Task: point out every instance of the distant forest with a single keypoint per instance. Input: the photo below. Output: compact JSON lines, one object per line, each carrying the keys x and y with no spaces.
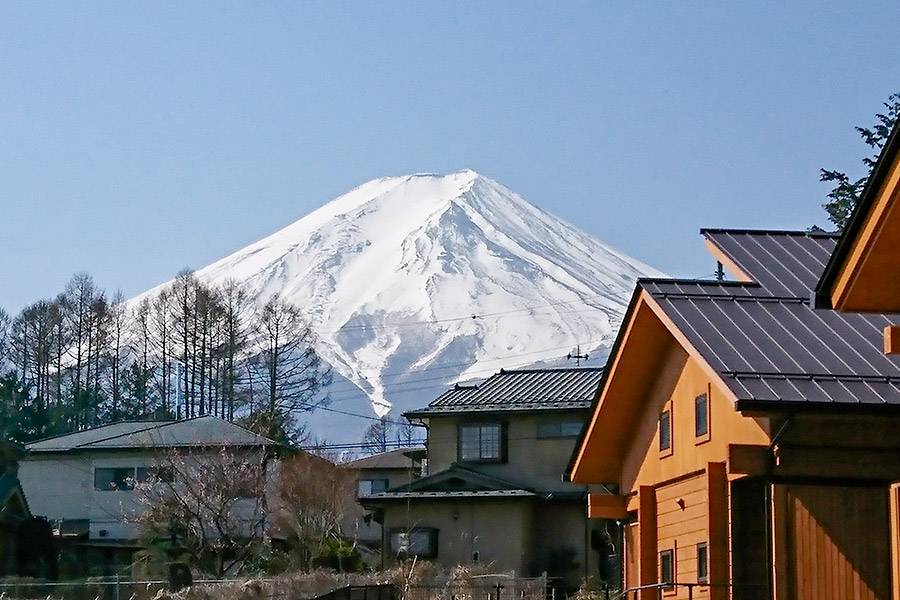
{"x":84,"y":359}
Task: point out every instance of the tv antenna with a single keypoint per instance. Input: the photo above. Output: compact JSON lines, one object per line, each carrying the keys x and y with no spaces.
{"x":578,"y":356}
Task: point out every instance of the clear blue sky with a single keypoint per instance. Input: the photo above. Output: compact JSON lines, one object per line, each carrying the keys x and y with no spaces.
{"x":137,"y":139}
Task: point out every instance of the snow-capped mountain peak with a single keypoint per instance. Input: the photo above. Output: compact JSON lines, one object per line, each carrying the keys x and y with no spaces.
{"x":453,"y":275}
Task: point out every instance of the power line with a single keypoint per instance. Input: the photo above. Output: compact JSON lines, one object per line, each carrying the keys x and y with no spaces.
{"x":497,"y":314}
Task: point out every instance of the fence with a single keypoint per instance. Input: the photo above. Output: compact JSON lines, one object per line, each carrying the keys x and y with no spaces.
{"x":477,"y":587}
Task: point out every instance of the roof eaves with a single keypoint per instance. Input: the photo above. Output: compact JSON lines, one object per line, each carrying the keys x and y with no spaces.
{"x":794,"y":407}
{"x":775,"y":232}
{"x":613,"y":352}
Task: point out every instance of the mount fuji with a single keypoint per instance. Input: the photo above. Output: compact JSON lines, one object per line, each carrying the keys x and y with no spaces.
{"x":412,"y":283}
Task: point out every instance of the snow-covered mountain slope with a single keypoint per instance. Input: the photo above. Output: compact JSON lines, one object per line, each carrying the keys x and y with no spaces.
{"x":430,"y":278}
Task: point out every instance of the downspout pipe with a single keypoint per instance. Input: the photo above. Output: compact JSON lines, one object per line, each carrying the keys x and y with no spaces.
{"x":770,"y":498}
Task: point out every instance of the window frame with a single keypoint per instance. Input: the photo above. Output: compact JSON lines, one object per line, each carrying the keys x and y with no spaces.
{"x":124,"y":484}
{"x":700,"y":438}
{"x":481,"y":426}
{"x":432,"y":532}
{"x":159,"y":474}
{"x":669,"y":449}
{"x":559,"y":429}
{"x":371,"y":480}
{"x":667,"y":586}
{"x":705,"y":553}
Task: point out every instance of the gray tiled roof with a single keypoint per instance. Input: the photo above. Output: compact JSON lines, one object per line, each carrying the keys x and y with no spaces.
{"x":518,"y":390}
{"x":199,"y":432}
{"x":768,"y":345}
{"x":451,"y":483}
{"x":392,"y":459}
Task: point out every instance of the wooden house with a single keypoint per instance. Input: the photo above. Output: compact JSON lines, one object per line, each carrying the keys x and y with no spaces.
{"x":752,"y":436}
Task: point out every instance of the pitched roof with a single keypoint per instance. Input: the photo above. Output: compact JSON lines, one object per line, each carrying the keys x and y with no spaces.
{"x":197,"y":432}
{"x":455,"y":482}
{"x":392,"y":459}
{"x":520,"y":390}
{"x":767,"y":344}
{"x":783,"y":263}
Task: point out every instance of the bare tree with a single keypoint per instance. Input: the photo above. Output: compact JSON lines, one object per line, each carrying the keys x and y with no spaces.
{"x":286,"y":366}
{"x":212,"y":504}
{"x":313,"y":497}
{"x":377,"y":436}
{"x":233,"y":340}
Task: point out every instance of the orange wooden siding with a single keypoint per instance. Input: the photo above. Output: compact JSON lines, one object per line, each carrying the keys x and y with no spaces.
{"x":835,"y":544}
{"x":681,"y":529}
{"x":861,"y":284}
{"x":678,"y":384}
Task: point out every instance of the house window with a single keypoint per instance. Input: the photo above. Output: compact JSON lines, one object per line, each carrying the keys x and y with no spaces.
{"x":667,"y":568}
{"x":419,"y":541}
{"x":370,"y":487}
{"x":115,"y":479}
{"x":701,"y":415}
{"x":154,"y":474}
{"x":564,"y":429}
{"x":481,"y":442}
{"x":665,"y":430}
{"x":702,"y":564}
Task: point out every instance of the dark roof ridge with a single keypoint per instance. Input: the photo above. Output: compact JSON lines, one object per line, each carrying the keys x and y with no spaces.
{"x":548,"y":370}
{"x":688,"y":280}
{"x":785,"y":232}
{"x":135,"y":421}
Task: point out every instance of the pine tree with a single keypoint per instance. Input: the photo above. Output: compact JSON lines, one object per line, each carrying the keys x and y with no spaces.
{"x":845,"y":194}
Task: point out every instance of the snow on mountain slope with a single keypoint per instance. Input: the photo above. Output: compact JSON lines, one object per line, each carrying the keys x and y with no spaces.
{"x":455,"y":275}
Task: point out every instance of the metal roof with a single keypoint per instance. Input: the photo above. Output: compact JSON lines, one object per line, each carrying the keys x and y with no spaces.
{"x":520,"y":390}
{"x":768,"y":345}
{"x":198,"y":432}
{"x":784,"y":263}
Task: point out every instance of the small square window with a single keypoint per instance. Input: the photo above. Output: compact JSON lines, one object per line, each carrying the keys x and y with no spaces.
{"x":701,"y":415}
{"x":665,"y":430}
{"x":114,"y":480}
{"x":702,"y":563}
{"x":562,"y":429}
{"x":667,"y":568}
{"x":370,"y":487}
{"x":481,"y":442}
{"x":419,"y":541}
{"x":155,"y":474}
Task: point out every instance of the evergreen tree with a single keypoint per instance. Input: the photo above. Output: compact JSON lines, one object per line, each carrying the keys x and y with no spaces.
{"x":846,"y":191}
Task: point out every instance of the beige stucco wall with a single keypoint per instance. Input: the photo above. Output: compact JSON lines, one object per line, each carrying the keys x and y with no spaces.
{"x":499,"y":530}
{"x":354,"y":525}
{"x":532,"y":462}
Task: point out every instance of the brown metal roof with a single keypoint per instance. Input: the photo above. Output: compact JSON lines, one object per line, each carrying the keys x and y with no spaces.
{"x":517,"y":390}
{"x":768,"y":345}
